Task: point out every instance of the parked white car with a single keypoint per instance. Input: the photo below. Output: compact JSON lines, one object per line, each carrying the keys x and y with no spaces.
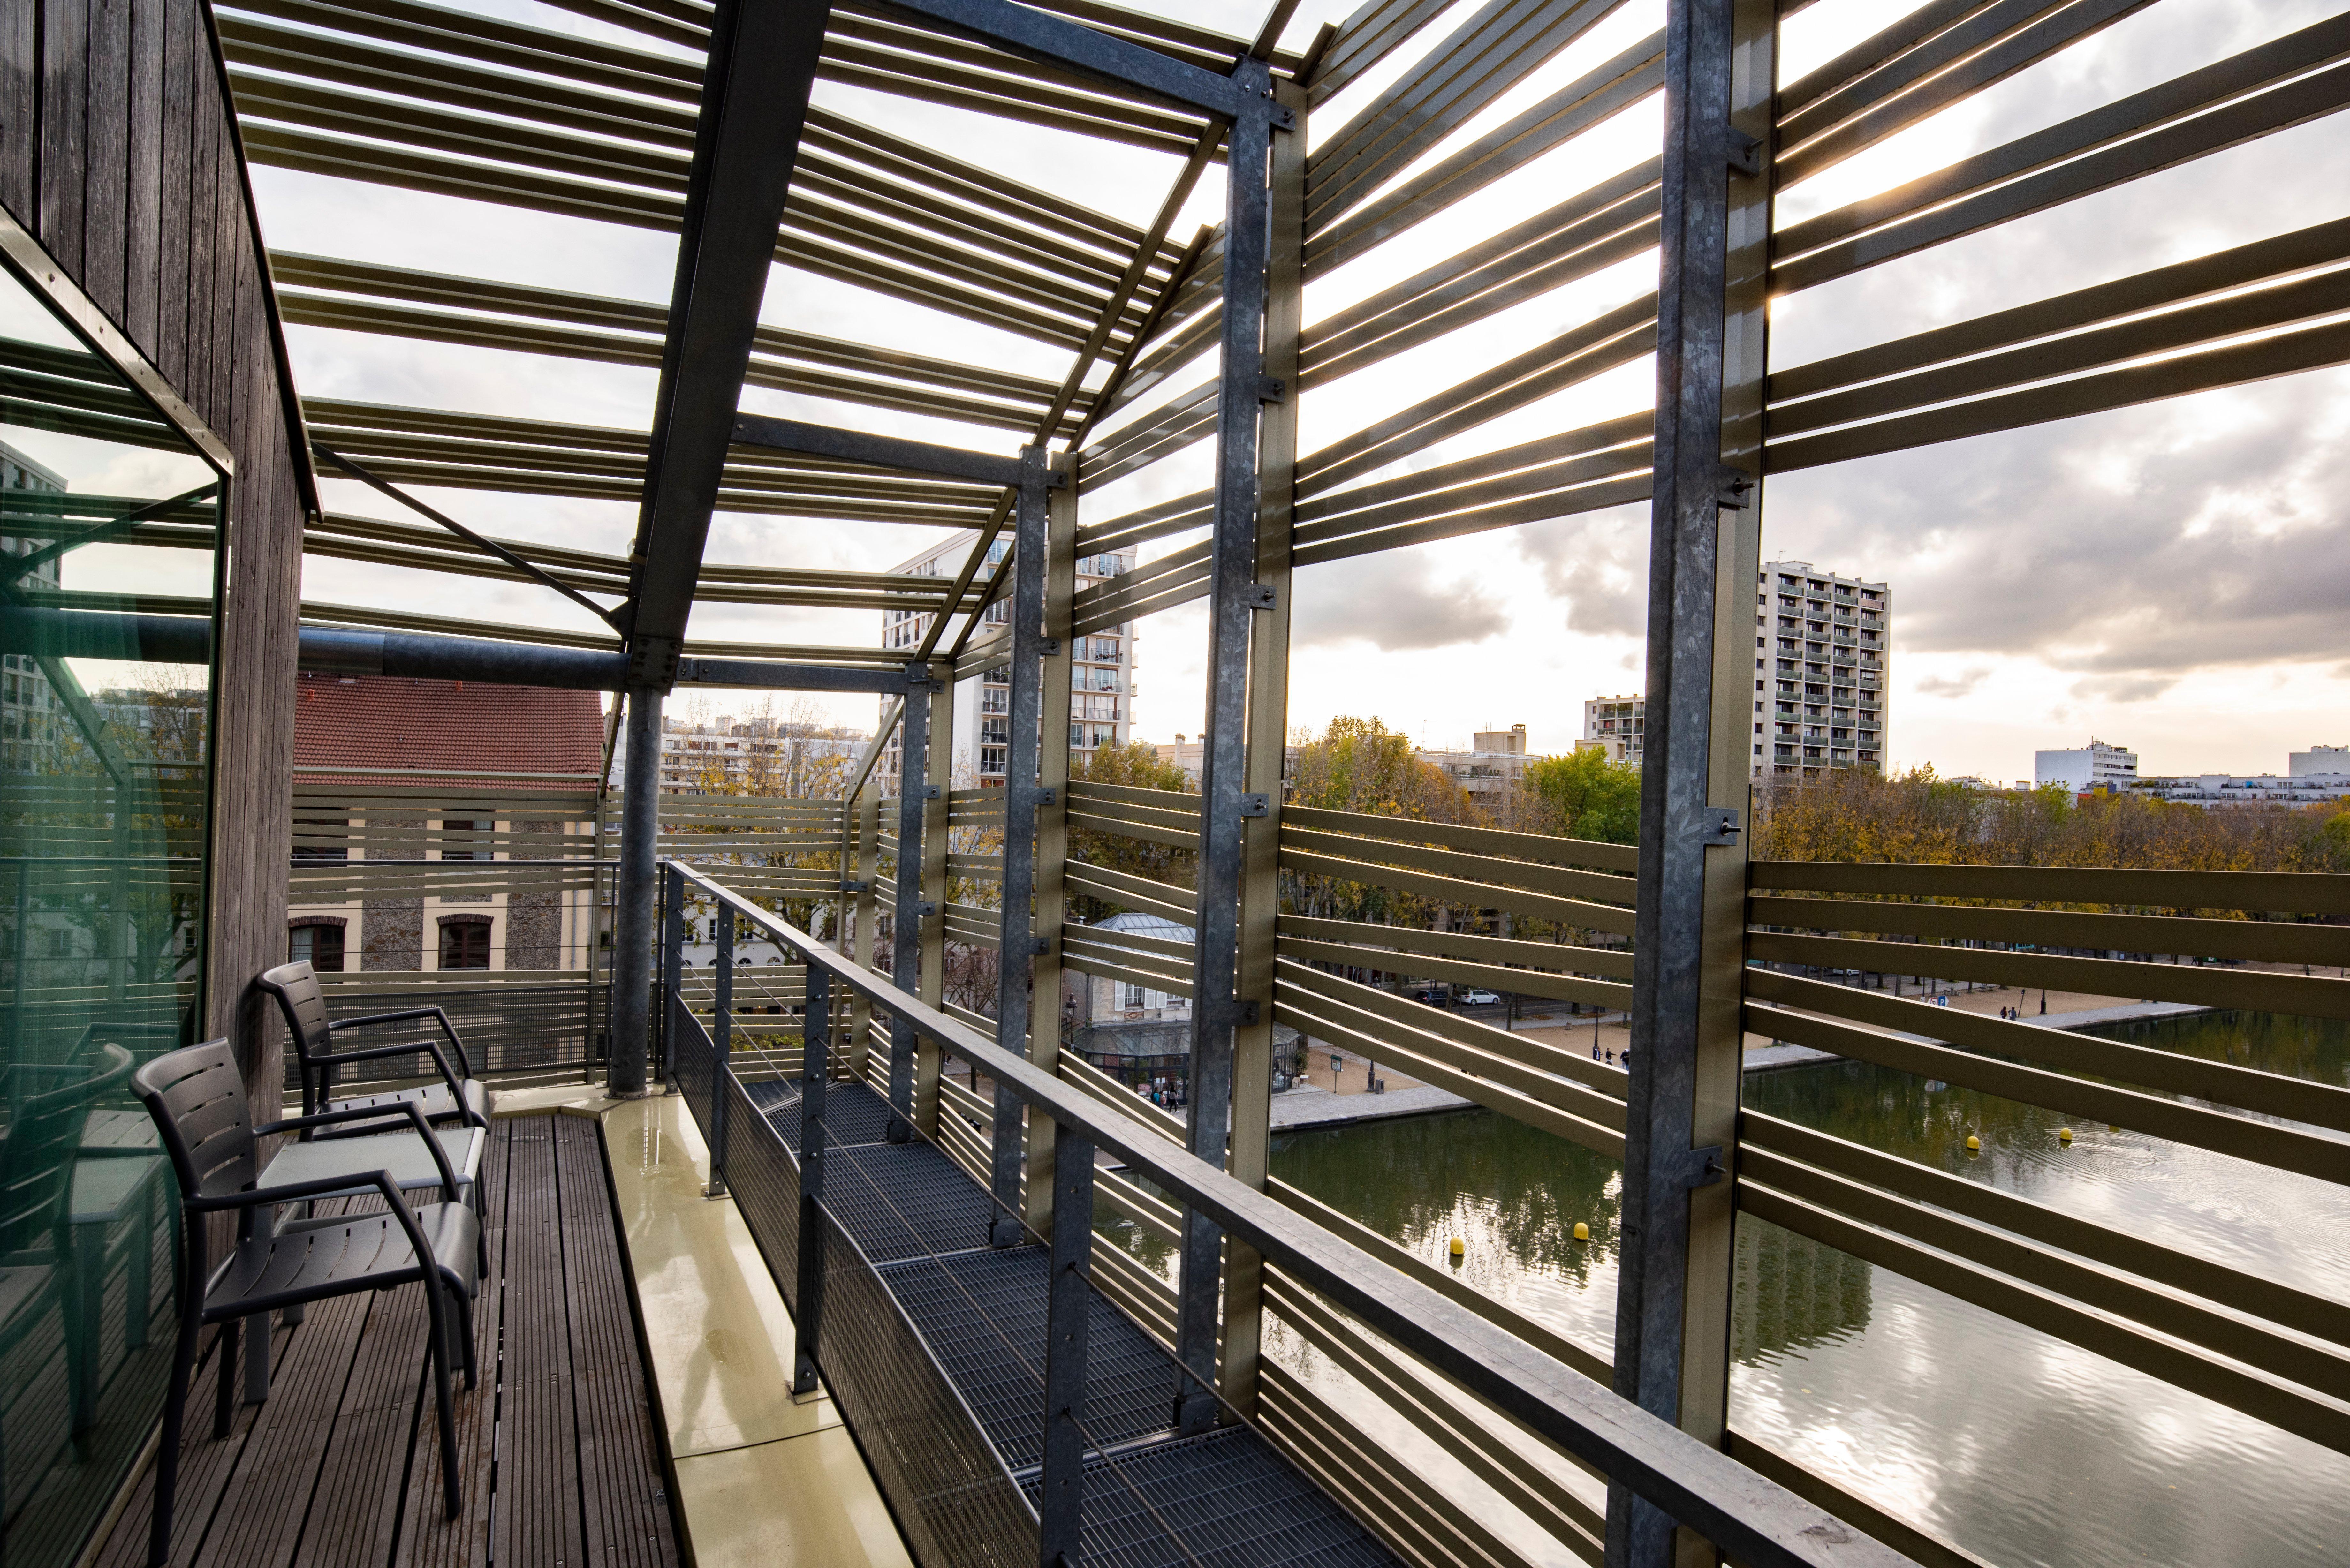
{"x":1479,"y":998}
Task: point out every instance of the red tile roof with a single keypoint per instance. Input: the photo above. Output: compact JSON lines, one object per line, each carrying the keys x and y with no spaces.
{"x":442,"y":729}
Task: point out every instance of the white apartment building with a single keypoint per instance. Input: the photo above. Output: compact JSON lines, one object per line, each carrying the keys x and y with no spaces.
{"x":1490,"y":771}
{"x":1101,"y":674}
{"x":2250,"y":789}
{"x":2325,"y":760}
{"x":1615,"y":725}
{"x":2085,"y":768}
{"x":741,"y":757}
{"x":1822,"y":676}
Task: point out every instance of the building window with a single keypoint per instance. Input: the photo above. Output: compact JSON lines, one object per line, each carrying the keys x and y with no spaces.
{"x":464,"y":941}
{"x":462,"y":840}
{"x":318,"y":944}
{"x":991,"y":759}
{"x":308,"y":833}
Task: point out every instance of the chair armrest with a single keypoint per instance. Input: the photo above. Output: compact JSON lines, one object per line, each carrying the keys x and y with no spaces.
{"x":297,"y":1193}
{"x":449,"y":1075}
{"x":407,"y":1016}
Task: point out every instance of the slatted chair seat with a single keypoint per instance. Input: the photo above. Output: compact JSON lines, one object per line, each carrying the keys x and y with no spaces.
{"x":307,"y":1257}
{"x":458,"y":1097}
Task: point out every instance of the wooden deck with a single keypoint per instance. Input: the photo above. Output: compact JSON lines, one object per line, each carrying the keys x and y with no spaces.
{"x":340,"y":1468}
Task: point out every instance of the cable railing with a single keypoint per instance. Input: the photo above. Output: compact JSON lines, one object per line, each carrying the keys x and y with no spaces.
{"x":1748,"y":1515}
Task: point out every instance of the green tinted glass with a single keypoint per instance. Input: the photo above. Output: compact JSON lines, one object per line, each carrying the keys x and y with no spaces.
{"x":109,"y":551}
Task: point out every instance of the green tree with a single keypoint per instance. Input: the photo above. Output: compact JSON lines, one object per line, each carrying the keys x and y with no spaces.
{"x":1583,"y":794}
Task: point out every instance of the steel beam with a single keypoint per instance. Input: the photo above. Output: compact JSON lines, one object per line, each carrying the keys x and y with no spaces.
{"x":754,"y":98}
{"x":758,"y":674}
{"x":1234,"y":597}
{"x":906,"y":920}
{"x":1672,"y":1297}
{"x":633,"y":903}
{"x":1036,"y":35}
{"x":1015,"y":950}
{"x":879,"y":452}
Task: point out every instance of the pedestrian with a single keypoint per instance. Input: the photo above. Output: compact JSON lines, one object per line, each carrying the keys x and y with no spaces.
{"x":1594,"y":1050}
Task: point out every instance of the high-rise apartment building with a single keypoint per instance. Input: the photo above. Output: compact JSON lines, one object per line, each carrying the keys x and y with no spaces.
{"x":1821,"y":670}
{"x":1821,"y":678}
{"x":1615,"y":725}
{"x":1101,"y":674}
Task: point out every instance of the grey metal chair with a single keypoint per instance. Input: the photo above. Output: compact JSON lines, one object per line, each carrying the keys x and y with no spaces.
{"x":37,"y":1254}
{"x":197,"y":1099}
{"x":459,"y":1097}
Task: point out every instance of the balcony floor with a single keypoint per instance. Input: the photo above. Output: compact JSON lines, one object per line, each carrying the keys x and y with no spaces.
{"x":341,"y":1465}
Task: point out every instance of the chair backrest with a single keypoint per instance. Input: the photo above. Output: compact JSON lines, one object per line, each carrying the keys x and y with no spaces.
{"x":43,"y":1135}
{"x":304,"y":1004}
{"x":197,"y":1098}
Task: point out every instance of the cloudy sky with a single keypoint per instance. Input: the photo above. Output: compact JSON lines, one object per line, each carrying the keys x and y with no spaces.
{"x":2172,"y":578}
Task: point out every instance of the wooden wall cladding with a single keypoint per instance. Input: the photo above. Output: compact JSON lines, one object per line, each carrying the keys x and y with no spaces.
{"x":118,"y":152}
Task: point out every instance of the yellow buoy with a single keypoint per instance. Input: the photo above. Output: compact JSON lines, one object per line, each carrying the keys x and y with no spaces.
{"x":1582,"y":1232}
{"x":2065,"y":1134}
{"x":1974,"y":1143}
{"x":1459,"y":1246}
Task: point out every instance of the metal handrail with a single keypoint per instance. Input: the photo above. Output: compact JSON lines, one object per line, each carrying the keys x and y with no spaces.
{"x":1741,"y":1512}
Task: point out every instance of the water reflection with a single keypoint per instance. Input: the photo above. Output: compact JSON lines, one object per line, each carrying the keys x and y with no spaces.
{"x":2016,"y":1446}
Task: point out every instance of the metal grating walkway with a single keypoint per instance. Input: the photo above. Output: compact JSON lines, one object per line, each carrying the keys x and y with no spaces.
{"x":1223,"y":1500}
{"x":969,"y":1306}
{"x":1227,"y":1500}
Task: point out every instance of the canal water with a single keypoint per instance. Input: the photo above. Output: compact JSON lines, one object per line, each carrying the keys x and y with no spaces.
{"x":2015,"y":1445}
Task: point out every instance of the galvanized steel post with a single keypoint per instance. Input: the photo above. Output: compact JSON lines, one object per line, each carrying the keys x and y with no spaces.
{"x":1234,"y":597}
{"x":1016,"y":937}
{"x":906,"y":920}
{"x":722,"y":1042}
{"x":1060,"y":1499}
{"x":815,"y":1068}
{"x":632,"y":904}
{"x":1051,"y":823}
{"x":1673,"y":1292}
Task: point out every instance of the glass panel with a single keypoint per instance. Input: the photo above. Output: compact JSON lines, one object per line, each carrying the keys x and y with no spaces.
{"x":109,"y":559}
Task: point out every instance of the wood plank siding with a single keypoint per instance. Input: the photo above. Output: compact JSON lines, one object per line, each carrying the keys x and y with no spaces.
{"x":119,"y":153}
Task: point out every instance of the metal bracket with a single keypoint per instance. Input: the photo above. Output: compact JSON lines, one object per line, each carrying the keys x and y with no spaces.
{"x":926,"y":908}
{"x":1049,"y":647}
{"x":1281,"y":116}
{"x":1733,"y":488}
{"x":1699,"y":1166}
{"x":1271,"y":389}
{"x":918,"y":677}
{"x":930,"y":792}
{"x":1045,"y":795}
{"x":1044,"y":946}
{"x":1248,"y":1014}
{"x":652,"y":662}
{"x":856,"y":886}
{"x":1260,"y":597}
{"x":1718,"y":824}
{"x":1746,"y":152}
{"x":1256,"y":805}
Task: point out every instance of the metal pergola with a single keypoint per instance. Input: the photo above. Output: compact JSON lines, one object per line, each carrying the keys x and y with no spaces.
{"x":707,"y":128}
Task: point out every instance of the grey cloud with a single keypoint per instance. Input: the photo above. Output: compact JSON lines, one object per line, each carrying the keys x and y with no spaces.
{"x":2127,"y":544}
{"x":1958,"y":685}
{"x":1393,"y":603}
{"x":2124,"y":687}
{"x":1596,"y":566}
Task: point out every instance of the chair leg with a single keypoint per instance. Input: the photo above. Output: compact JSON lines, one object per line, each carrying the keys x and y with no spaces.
{"x":456,"y":1294}
{"x":167,"y":1452}
{"x":224,"y":1407}
{"x":452,"y":1486}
